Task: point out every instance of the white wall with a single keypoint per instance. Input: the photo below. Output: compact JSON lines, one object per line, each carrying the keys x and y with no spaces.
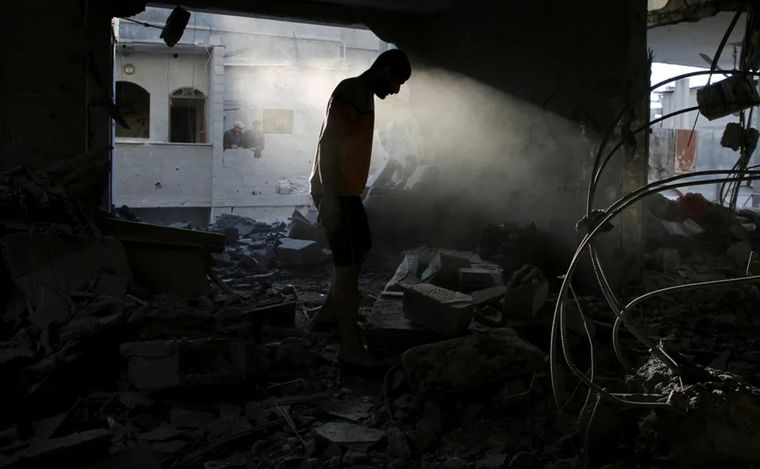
{"x":162,"y":174}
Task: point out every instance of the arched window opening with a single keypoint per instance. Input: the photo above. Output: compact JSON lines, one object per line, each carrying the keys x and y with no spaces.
{"x":134,"y":103}
{"x":187,"y":116}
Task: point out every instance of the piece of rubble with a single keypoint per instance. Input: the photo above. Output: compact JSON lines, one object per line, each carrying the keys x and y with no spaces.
{"x":469,"y":363}
{"x":526,"y":293}
{"x":443,"y":311}
{"x":162,"y":364}
{"x":722,"y":414}
{"x":137,"y":457}
{"x":428,"y":430}
{"x":299,"y":252}
{"x":353,"y":411}
{"x":398,"y":446}
{"x":74,"y":449}
{"x":488,"y":296}
{"x":477,"y":278}
{"x":406,"y":274}
{"x":388,"y":330}
{"x":443,"y":270}
{"x":347,"y":433}
{"x":163,"y":432}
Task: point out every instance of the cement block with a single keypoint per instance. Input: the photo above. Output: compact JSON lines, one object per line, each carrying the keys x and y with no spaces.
{"x":161,"y":364}
{"x":299,"y":252}
{"x":471,"y":279}
{"x":388,"y":330}
{"x":440,"y":310}
{"x":469,"y":363}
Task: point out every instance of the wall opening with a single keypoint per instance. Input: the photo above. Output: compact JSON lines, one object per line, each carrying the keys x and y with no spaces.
{"x":134,"y":103}
{"x":187,"y":116}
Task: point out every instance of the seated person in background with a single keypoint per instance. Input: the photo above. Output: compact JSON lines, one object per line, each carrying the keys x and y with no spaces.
{"x":254,"y":139}
{"x":233,"y":138}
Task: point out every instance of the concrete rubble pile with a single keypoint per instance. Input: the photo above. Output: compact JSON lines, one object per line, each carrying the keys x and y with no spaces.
{"x":110,"y":366}
{"x":689,"y":236}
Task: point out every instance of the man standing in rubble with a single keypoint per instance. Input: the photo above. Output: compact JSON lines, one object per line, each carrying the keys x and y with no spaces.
{"x":341,"y":167}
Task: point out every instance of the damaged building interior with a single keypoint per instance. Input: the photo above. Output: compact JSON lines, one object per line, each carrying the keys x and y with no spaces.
{"x":561,"y":273}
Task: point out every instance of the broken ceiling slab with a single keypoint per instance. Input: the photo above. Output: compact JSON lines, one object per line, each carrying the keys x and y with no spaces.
{"x":677,"y":11}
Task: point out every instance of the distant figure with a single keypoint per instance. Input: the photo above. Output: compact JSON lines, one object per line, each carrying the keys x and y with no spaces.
{"x":233,"y":138}
{"x":254,"y":139}
{"x":341,"y":167}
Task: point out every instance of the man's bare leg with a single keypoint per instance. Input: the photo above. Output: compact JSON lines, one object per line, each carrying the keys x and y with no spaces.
{"x":346,"y":294}
{"x":328,"y":312}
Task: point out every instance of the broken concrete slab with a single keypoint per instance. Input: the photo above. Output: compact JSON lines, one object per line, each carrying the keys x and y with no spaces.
{"x":443,"y":270}
{"x":443,"y":311}
{"x":342,"y":433}
{"x":74,"y":449}
{"x":388,"y":330}
{"x":406,"y":274}
{"x":469,"y":363}
{"x":299,"y":252}
{"x":162,"y":364}
{"x":300,"y":228}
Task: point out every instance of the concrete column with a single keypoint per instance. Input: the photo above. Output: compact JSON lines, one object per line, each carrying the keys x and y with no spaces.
{"x":215,"y":118}
{"x":635,"y":156}
{"x":682,"y":100}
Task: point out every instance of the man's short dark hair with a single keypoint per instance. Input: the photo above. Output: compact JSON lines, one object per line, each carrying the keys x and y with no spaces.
{"x":396,"y":60}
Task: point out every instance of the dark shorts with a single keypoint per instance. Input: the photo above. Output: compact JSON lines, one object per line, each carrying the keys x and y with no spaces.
{"x":350,"y":240}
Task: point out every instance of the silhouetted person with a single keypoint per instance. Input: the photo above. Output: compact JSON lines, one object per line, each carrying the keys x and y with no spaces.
{"x":341,"y":167}
{"x":233,"y":138}
{"x":254,"y":139}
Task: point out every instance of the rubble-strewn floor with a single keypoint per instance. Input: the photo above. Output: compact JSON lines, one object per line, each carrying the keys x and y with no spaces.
{"x":117,"y":351}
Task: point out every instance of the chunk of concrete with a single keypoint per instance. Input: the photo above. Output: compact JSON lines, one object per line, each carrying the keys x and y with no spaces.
{"x":299,"y":252}
{"x":347,"y":433}
{"x":160,"y":364}
{"x":405,"y":275}
{"x":443,"y":270}
{"x":469,"y":363}
{"x":389,"y":331}
{"x":473,"y":278}
{"x":443,"y":311}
